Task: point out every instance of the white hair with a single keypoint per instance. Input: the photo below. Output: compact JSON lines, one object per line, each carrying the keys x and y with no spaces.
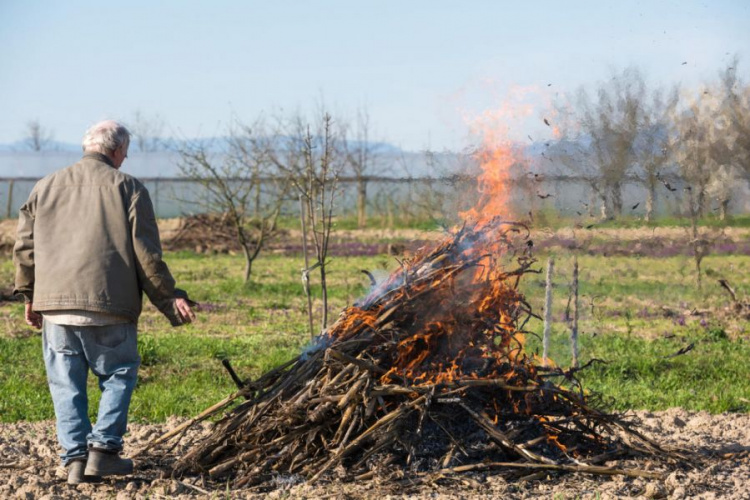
{"x":106,"y":137}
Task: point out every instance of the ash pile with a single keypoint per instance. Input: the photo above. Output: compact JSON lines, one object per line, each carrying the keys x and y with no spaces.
{"x":426,"y":377}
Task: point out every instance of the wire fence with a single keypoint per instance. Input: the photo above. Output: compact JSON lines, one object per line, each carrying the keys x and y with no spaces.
{"x":410,"y":197}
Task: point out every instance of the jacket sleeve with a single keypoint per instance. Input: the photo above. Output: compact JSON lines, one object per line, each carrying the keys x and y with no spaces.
{"x":153,"y":273}
{"x":23,"y":250}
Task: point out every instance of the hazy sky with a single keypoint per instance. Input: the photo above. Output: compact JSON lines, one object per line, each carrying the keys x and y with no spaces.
{"x":418,"y":66}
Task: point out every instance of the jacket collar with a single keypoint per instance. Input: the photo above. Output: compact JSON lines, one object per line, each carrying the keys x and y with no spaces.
{"x":99,"y":157}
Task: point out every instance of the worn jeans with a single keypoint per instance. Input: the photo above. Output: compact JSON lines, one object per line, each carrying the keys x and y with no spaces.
{"x":112,"y":354}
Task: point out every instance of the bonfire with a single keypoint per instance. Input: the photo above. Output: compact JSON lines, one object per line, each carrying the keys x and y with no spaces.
{"x":426,"y":376}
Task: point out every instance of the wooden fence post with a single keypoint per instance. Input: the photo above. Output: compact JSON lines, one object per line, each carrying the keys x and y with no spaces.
{"x":361,"y":202}
{"x":574,"y":329}
{"x":9,"y":205}
{"x":389,"y":213}
{"x":547,"y":310}
{"x":156,"y":197}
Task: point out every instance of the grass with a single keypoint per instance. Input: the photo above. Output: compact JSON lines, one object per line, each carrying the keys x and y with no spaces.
{"x":638,"y":373}
{"x":350,"y":222}
{"x":742,"y":221}
{"x":553,"y":219}
{"x":260,"y":325}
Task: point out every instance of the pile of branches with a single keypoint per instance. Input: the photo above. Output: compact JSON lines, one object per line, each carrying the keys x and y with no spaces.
{"x":205,"y":233}
{"x":427,"y":376}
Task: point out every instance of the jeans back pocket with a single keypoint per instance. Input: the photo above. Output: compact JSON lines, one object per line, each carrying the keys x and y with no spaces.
{"x":61,"y":338}
{"x":109,"y":337}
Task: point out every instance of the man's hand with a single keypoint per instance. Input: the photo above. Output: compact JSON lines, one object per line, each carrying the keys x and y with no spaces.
{"x":33,"y":318}
{"x":186,"y":312}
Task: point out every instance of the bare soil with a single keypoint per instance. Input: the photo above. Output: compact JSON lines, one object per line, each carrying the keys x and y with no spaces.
{"x":29,"y":469}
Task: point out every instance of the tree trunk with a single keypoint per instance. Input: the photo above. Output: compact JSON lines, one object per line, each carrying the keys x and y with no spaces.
{"x":248,"y":263}
{"x":696,"y":243}
{"x":606,"y":212}
{"x":650,"y":201}
{"x":324,"y":295}
{"x":592,"y":203}
{"x":701,"y":202}
{"x":697,"y":255}
{"x":245,"y":244}
{"x":724,"y":209}
{"x":574,"y":329}
{"x":547,"y":310}
{"x":306,"y":270}
{"x":616,"y":195}
{"x":258,"y":195}
{"x":361,"y":203}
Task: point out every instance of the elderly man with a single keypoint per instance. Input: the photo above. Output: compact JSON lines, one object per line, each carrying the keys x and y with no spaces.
{"x":87,"y":247}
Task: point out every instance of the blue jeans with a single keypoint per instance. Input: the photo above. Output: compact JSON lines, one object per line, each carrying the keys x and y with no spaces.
{"x":112,"y":354}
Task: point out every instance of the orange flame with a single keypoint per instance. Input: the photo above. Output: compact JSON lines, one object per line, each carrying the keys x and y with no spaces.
{"x":452,"y":312}
{"x":496,"y":157}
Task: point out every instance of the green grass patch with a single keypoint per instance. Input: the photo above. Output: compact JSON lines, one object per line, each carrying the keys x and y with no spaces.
{"x":350,"y":222}
{"x":551,"y":218}
{"x":637,"y":373}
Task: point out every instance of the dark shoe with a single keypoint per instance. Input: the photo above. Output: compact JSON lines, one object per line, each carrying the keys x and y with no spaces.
{"x":75,"y":471}
{"x":77,"y":474}
{"x":107,"y":463}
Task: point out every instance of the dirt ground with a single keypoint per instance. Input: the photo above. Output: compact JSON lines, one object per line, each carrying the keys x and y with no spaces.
{"x":29,"y":469}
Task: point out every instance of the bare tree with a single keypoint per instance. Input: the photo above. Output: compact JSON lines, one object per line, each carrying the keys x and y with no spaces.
{"x":611,"y":122}
{"x":699,"y":242}
{"x":691,"y":154}
{"x":319,"y":192}
{"x":361,"y":157}
{"x":147,"y":132}
{"x":721,"y":187}
{"x":38,"y":138}
{"x":310,"y":155}
{"x":735,"y":109}
{"x":321,"y":178}
{"x":242,"y":183}
{"x":576,"y":156}
{"x":702,"y":153}
{"x":599,"y":133}
{"x":700,"y":148}
{"x":652,"y":144}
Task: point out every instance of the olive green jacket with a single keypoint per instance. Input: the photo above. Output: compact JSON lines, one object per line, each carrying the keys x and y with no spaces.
{"x":87,"y":240}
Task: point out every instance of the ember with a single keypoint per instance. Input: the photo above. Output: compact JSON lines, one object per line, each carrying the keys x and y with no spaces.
{"x":426,"y":375}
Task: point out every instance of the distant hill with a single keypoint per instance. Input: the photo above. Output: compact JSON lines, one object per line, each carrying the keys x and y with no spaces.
{"x":17,"y":160}
{"x":20,"y":146}
{"x":165,"y":163}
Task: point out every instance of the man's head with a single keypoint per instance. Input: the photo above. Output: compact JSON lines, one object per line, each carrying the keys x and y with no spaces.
{"x":109,"y":138}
